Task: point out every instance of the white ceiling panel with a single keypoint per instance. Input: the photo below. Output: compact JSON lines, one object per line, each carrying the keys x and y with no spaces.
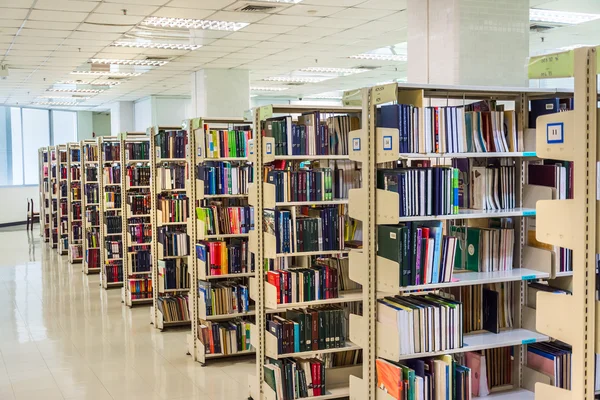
{"x":44,"y":33}
{"x":259,"y":50}
{"x":312,"y":32}
{"x":234,"y":43}
{"x":291,"y":39}
{"x":14,"y":13}
{"x":288,"y":20}
{"x":333,"y":22}
{"x":49,"y":25}
{"x":140,"y":2}
{"x":205,"y":4}
{"x":336,"y":3}
{"x":263,"y":28}
{"x":334,"y":41}
{"x":244,"y":35}
{"x":10,"y":23}
{"x":175,"y":12}
{"x":97,"y":18}
{"x":384,"y":4}
{"x":101,"y":28}
{"x":106,"y":37}
{"x":361,"y":13}
{"x":17,"y":3}
{"x":66,"y":5}
{"x":399,"y":19}
{"x":8,"y":31}
{"x":60,"y":16}
{"x":310,"y":10}
{"x":275,"y":45}
{"x":117,"y":8}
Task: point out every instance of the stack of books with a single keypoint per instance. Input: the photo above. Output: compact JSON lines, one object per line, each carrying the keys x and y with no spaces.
{"x":139,"y":175}
{"x":112,"y":199}
{"x":220,"y":220}
{"x":174,"y":308}
{"x":91,"y":193}
{"x":224,"y":297}
{"x":174,"y":274}
{"x":114,"y":249}
{"x":303,"y":185}
{"x":296,"y":378}
{"x":552,"y":359}
{"x":113,"y":224}
{"x":137,"y":150}
{"x":225,"y":338}
{"x":222,"y":258}
{"x":223,"y":178}
{"x":114,"y":272}
{"x":141,"y":260}
{"x":486,"y":307}
{"x":304,"y":284}
{"x":227,"y":143}
{"x":141,"y":204}
{"x":141,"y":232}
{"x":170,"y":177}
{"x":174,"y":208}
{"x":112,"y":175}
{"x":112,"y":151}
{"x":490,"y":249}
{"x":140,"y":288}
{"x":170,"y":144}
{"x":175,"y":243}
{"x":486,"y":185}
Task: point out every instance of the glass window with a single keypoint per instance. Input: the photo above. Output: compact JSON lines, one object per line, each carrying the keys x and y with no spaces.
{"x":36,"y":134}
{"x":16,"y":146}
{"x":64,"y":126}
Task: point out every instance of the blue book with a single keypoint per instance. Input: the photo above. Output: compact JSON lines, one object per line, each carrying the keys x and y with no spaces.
{"x":542,"y":107}
{"x":296,"y":337}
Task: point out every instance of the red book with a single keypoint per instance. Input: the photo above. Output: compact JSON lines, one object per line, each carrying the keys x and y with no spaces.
{"x":425,"y":261}
{"x":316,"y":377}
{"x":273,"y":279}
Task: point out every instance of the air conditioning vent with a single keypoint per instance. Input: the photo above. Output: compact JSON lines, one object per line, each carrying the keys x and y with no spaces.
{"x":294,"y":84}
{"x":155,"y":58}
{"x":250,"y":6}
{"x":369,"y":67}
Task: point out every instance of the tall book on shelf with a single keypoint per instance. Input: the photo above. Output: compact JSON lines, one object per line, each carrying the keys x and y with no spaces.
{"x":90,"y":206}
{"x":302,"y":179}
{"x":219,"y":225}
{"x":137,"y":213}
{"x":170,"y":240}
{"x":74,"y":203}
{"x":62,"y":199}
{"x":111,"y":226}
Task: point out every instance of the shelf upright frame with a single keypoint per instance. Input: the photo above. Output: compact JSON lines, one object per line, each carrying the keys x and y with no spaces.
{"x":53,"y":188}
{"x":573,"y":136}
{"x":103,"y":210}
{"x":85,"y":145}
{"x":71,"y":201}
{"x":62,"y":148}
{"x":130,"y":137}
{"x":44,"y":163}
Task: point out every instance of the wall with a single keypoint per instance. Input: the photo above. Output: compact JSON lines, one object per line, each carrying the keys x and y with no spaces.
{"x":142,"y":114}
{"x":170,"y":111}
{"x":101,"y":123}
{"x":13,"y":202}
{"x":85,"y":125}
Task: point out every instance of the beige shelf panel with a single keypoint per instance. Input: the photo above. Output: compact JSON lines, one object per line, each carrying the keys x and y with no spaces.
{"x":388,"y":338}
{"x":554,"y":316}
{"x":572,"y":149}
{"x":357,"y":267}
{"x":531,"y":377}
{"x":357,"y":150}
{"x":252,"y":195}
{"x":388,"y":144}
{"x":556,"y":221}
{"x":268,"y":149}
{"x":360,"y":391}
{"x":545,"y":392}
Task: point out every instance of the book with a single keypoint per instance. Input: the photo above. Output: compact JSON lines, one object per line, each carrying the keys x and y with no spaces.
{"x":137,"y":150}
{"x":170,"y":144}
{"x":219,"y":219}
{"x":227,"y":143}
{"x":173,"y":274}
{"x":222,"y":298}
{"x":225,"y":257}
{"x":224,"y":178}
{"x":174,"y":308}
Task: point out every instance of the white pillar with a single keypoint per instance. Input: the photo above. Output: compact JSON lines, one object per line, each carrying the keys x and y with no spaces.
{"x":468,"y":42}
{"x":220,"y":92}
{"x":121,"y":117}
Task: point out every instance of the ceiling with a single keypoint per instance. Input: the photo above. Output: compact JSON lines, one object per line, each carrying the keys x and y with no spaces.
{"x":42,"y":41}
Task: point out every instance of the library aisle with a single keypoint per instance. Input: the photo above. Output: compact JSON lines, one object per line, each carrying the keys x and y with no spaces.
{"x":62,"y":338}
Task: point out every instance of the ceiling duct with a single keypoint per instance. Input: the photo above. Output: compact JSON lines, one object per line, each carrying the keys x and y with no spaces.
{"x":249,"y":6}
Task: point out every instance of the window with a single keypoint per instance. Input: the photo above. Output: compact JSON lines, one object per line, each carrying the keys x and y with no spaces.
{"x":22,"y":132}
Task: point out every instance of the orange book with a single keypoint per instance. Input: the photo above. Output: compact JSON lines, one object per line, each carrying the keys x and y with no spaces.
{"x":389,"y":379}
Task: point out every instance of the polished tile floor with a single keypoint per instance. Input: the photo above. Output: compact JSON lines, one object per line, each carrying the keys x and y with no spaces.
{"x":63,"y":337}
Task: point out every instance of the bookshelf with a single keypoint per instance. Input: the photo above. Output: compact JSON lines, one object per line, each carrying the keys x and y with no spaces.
{"x":207,"y":139}
{"x":53,"y":195}
{"x":63,"y":199}
{"x":304,"y":159}
{"x":377,"y":205}
{"x":44,"y":204}
{"x":110,"y":196}
{"x":74,"y":203}
{"x":170,"y":241}
{"x":90,"y":206}
{"x":136,"y":186}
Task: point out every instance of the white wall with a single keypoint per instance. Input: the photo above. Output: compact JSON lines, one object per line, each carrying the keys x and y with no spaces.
{"x":85,"y":125}
{"x":13,"y":202}
{"x":142,"y":114}
{"x":101,"y":123}
{"x":121,"y":117}
{"x":170,"y":111}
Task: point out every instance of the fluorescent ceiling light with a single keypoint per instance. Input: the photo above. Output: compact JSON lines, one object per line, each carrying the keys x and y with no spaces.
{"x":65,"y":97}
{"x":282,"y":1}
{"x":145,"y":63}
{"x":335,"y":95}
{"x":122,"y":74}
{"x":267,"y":89}
{"x":335,"y":71}
{"x":184,"y":23}
{"x":560,"y":17}
{"x":95,"y":83}
{"x":55,"y":103}
{"x":298,"y":79}
{"x":73,"y":90}
{"x":380,"y":57}
{"x":147,"y":44}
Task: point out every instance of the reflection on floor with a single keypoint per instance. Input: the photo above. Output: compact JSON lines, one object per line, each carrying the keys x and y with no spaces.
{"x":63,"y":337}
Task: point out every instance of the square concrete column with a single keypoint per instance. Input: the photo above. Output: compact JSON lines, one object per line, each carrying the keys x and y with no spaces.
{"x":121,"y":117}
{"x":220,"y":92}
{"x":468,"y":42}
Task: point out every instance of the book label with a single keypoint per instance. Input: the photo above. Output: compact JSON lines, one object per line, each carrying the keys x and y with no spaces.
{"x":527,"y":277}
{"x":528,"y":213}
{"x":387,"y":143}
{"x":555,"y":133}
{"x":528,"y":341}
{"x":269,"y":148}
{"x":356,"y":144}
{"x":529,"y":154}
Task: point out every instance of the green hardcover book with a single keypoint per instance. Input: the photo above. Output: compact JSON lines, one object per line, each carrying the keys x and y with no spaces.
{"x":269,"y":371}
{"x":471,"y":250}
{"x":408,"y":375}
{"x":390,"y":246}
{"x":298,"y":317}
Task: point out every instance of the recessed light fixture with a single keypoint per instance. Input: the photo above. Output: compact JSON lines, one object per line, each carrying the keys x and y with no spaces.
{"x":335,"y":95}
{"x":380,"y":57}
{"x":65,"y":97}
{"x":337,"y":71}
{"x":267,"y":89}
{"x":297,"y":79}
{"x":185,"y":23}
{"x":54,"y":103}
{"x":120,"y":74}
{"x":560,"y":17}
{"x":146,"y":44}
{"x":95,"y":83}
{"x":74,"y":90}
{"x":145,"y":63}
{"x":282,"y":1}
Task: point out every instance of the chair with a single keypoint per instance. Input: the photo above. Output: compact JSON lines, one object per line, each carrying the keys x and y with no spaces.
{"x":31,"y":214}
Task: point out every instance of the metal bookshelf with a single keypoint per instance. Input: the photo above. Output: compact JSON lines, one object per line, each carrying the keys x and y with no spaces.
{"x":263,"y":245}
{"x":63,"y":199}
{"x":107,"y":209}
{"x":197,"y":156}
{"x":134,"y":219}
{"x":157,"y":163}
{"x":90,"y":206}
{"x":44,"y":203}
{"x":375,"y":147}
{"x":75,"y":195}
{"x":54,"y":172}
